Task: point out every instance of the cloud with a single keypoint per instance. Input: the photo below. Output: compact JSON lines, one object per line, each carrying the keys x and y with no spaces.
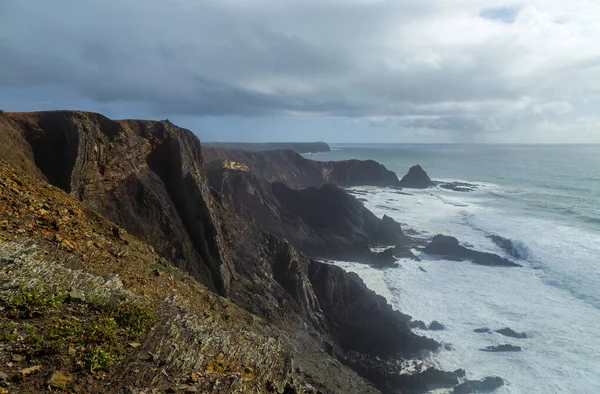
{"x":465,"y":65}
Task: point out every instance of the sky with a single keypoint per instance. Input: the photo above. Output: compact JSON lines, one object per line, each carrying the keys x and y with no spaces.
{"x":309,"y":70}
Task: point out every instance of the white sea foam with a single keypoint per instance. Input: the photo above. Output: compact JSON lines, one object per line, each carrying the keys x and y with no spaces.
{"x":554,"y":298}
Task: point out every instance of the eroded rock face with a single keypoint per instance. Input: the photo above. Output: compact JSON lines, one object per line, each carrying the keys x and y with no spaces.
{"x":385,"y":332}
{"x":145,"y":176}
{"x":148,"y":178}
{"x":322,"y":222}
{"x":297,"y":172}
{"x":449,"y":248}
{"x":416,"y":178}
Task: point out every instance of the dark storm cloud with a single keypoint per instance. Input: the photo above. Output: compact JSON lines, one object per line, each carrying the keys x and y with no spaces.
{"x":455,"y":64}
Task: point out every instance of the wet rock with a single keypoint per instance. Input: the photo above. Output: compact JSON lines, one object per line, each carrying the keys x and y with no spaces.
{"x":422,"y":269}
{"x":416,"y":178}
{"x":450,"y":249}
{"x":502,"y":348}
{"x":59,"y":380}
{"x":458,"y":186}
{"x":417,"y":324}
{"x":507,"y":245}
{"x":486,"y":385}
{"x":431,"y":379}
{"x":404,"y":251}
{"x":460,"y":373}
{"x":482,"y":330}
{"x":508,"y":332}
{"x":436,"y":326}
{"x":384,"y":259}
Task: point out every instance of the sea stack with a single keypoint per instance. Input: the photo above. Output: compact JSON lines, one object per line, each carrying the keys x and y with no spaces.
{"x":416,"y":178}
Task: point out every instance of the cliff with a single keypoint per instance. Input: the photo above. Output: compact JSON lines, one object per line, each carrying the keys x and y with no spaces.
{"x":323,"y":222}
{"x":87,"y":307}
{"x":148,"y":178}
{"x":299,"y":147}
{"x":297,"y":172}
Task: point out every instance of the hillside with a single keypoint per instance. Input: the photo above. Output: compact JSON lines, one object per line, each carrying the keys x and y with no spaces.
{"x":148,"y":179}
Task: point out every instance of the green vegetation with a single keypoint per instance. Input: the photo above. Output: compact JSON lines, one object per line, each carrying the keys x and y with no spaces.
{"x":28,"y":302}
{"x":169,"y":270}
{"x":132,"y":316}
{"x":93,"y":334}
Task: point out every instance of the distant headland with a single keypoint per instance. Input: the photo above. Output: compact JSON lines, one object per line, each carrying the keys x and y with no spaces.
{"x":300,"y":147}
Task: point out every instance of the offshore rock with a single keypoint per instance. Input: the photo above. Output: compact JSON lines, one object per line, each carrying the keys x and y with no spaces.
{"x":486,"y":385}
{"x":502,"y":348}
{"x":416,"y":178}
{"x":449,"y":248}
{"x":509,"y":332}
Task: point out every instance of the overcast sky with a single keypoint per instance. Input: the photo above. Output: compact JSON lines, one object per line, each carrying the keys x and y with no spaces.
{"x":333,"y":70}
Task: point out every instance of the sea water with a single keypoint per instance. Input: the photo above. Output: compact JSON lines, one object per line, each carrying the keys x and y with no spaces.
{"x":546,"y":200}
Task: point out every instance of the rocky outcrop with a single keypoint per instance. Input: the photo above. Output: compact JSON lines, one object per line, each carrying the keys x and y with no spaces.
{"x":385,"y":331}
{"x":322,"y":222}
{"x":299,"y":147}
{"x":507,"y":245}
{"x":145,"y":176}
{"x":450,"y":249}
{"x":486,"y":385}
{"x":416,"y":178}
{"x":509,"y":332}
{"x":297,"y":172}
{"x":502,"y":348}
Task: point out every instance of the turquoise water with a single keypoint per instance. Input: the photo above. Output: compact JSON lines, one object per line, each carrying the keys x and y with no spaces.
{"x":546,"y":200}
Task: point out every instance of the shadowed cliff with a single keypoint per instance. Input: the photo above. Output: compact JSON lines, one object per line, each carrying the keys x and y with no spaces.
{"x":148,"y":177}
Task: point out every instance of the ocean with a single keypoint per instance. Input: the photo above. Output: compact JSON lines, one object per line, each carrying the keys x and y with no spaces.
{"x":546,"y":200}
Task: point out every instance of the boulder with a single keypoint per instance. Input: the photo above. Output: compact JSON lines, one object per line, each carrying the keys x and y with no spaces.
{"x":486,"y":385}
{"x":416,"y":178}
{"x":450,"y":249}
{"x":509,"y":332}
{"x":506,"y":245}
{"x":502,"y":348}
{"x":417,"y":324}
{"x":436,"y":326}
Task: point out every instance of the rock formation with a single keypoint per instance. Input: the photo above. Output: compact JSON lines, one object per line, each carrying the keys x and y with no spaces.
{"x":486,"y":385}
{"x":148,"y":179}
{"x":416,"y":178}
{"x":299,"y":147}
{"x":297,"y":172}
{"x":321,"y":221}
{"x":450,"y":249}
{"x":509,"y":332}
{"x":502,"y":348}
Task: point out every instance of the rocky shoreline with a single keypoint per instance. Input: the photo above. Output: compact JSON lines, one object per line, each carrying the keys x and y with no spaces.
{"x":237,"y":234}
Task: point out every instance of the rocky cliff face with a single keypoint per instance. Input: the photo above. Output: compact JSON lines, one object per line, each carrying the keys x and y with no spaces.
{"x":297,"y":172}
{"x":323,"y":222}
{"x":148,"y":178}
{"x":145,"y":176}
{"x":87,"y":307}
